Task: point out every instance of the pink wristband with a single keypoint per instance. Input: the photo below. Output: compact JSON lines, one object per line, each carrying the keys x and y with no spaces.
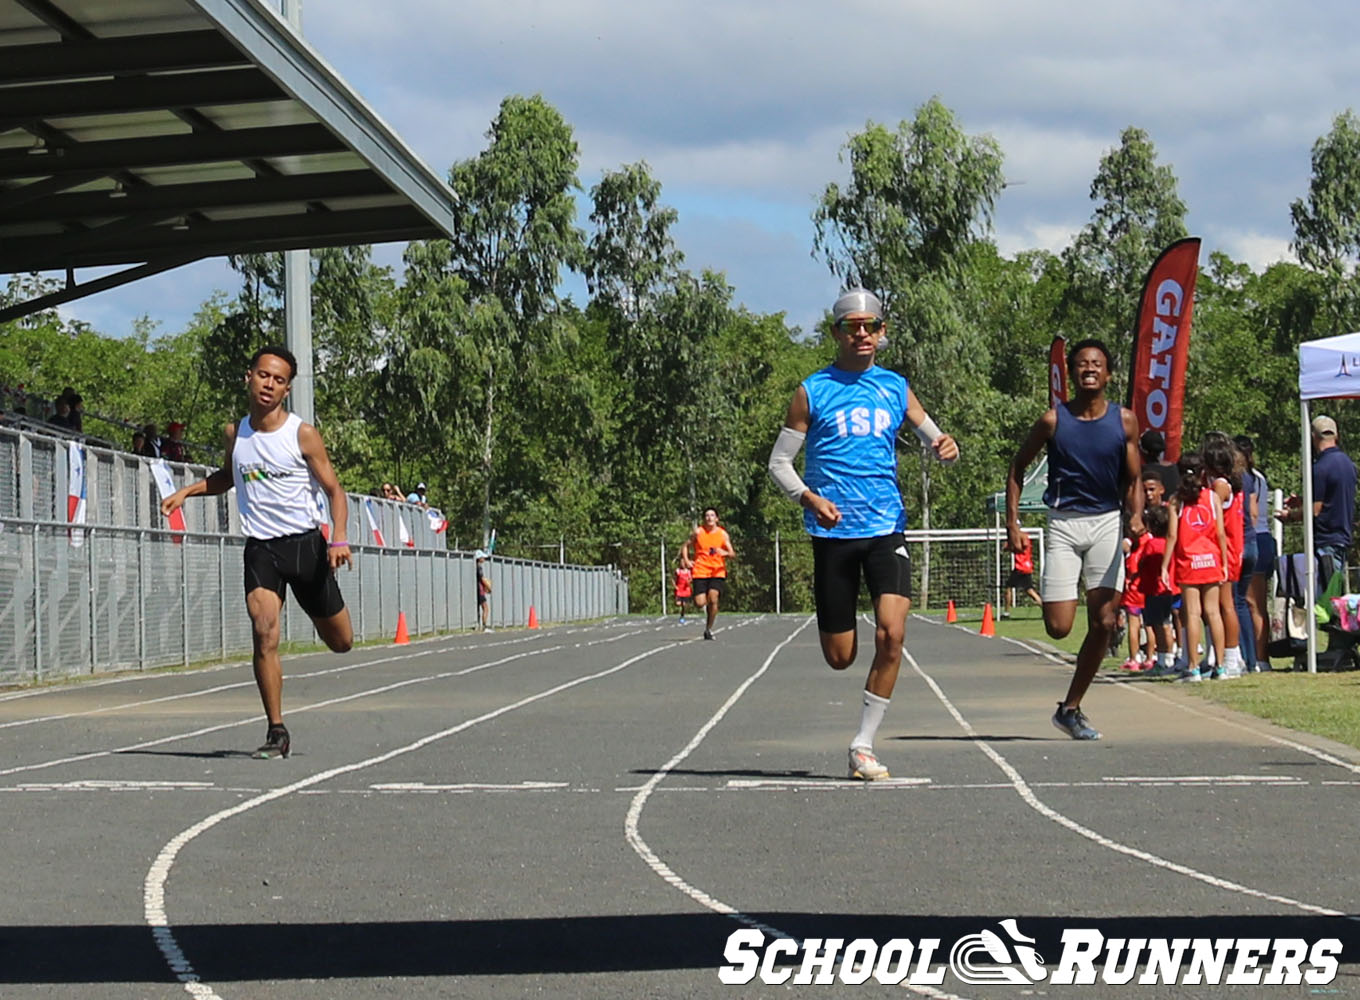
{"x":339,"y":545}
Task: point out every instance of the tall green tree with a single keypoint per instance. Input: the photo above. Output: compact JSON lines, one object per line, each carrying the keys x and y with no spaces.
{"x":514,"y":234}
{"x":631,"y":255}
{"x":918,"y":199}
{"x":1138,"y":213}
{"x":1327,"y":222}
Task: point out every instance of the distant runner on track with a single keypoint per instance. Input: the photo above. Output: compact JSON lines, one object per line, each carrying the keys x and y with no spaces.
{"x":849,"y":414}
{"x":712,"y":547}
{"x":275,"y":461}
{"x":1093,"y":481}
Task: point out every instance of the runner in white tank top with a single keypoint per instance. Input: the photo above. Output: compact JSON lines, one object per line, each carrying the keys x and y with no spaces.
{"x":274,"y":460}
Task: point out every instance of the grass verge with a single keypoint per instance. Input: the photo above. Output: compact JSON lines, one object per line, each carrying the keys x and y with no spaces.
{"x":1323,"y":704}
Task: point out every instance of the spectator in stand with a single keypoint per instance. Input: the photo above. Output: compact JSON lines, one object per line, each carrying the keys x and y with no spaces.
{"x":139,"y":442}
{"x":172,"y":448}
{"x":77,"y":412}
{"x":390,"y":492}
{"x":1152,"y":449}
{"x":62,"y":416}
{"x":151,"y":445}
{"x":418,"y":497}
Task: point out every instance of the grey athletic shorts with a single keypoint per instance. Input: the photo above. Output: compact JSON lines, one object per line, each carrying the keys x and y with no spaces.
{"x":1082,"y":547}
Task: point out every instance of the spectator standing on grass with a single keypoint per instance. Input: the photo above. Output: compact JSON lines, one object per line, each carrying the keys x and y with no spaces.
{"x":1333,"y":500}
{"x":1022,"y":575}
{"x":1266,"y":555}
{"x":1093,"y":486}
{"x":1152,"y":451}
{"x":1223,"y":469}
{"x":1158,"y":595}
{"x":1196,"y":558}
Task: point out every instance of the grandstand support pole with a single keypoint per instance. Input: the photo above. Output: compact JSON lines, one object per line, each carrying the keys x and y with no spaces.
{"x":778,"y":596}
{"x":297,"y":293}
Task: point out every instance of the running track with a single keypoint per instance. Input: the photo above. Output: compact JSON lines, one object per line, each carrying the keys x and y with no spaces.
{"x":590,"y":812}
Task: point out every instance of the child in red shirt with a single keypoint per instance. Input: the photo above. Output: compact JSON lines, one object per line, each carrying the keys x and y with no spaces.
{"x":1197,"y":549}
{"x":1158,"y":596}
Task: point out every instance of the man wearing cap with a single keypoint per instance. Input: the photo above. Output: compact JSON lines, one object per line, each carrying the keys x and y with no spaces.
{"x":848,"y":413}
{"x":1333,"y":497}
{"x":418,"y":497}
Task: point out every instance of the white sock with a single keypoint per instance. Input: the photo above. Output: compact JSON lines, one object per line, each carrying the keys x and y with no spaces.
{"x":870,"y":717}
{"x":1232,"y":657}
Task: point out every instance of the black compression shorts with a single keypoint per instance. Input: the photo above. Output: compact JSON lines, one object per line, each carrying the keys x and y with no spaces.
{"x":298,"y":561}
{"x":837,"y":564}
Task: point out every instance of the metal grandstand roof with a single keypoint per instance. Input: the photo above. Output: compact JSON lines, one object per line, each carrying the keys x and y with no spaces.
{"x":150,"y":133}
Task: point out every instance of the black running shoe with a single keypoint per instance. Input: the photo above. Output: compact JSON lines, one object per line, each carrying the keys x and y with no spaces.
{"x":708,"y":634}
{"x":276,"y":744}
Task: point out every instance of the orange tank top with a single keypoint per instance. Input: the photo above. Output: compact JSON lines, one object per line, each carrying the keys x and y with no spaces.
{"x":708,"y":564}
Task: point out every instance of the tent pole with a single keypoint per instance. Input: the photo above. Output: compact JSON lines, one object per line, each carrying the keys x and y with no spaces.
{"x":1309,"y":548}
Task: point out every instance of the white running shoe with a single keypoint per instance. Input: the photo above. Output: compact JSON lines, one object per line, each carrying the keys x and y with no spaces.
{"x":865,"y":766}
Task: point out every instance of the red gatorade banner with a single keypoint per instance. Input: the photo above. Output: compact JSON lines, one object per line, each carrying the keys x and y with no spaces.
{"x":1161,"y":343}
{"x":1057,"y":372}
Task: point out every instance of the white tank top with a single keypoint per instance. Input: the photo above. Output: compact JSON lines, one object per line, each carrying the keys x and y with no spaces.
{"x":273,"y":484}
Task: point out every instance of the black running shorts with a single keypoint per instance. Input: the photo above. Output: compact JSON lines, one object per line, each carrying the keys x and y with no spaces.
{"x":705,"y":584}
{"x":299,"y":561}
{"x":837,"y":564}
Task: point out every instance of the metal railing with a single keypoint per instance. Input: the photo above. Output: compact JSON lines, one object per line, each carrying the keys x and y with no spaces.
{"x":123,"y":592}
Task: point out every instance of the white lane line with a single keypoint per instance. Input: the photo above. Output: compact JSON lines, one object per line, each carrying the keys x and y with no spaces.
{"x":1148,"y":690}
{"x":1027,"y":795}
{"x":254,"y":720}
{"x":665,"y":872}
{"x":470,"y":786}
{"x":81,"y":682}
{"x":359,"y":664}
{"x":153,"y":890}
{"x":747,"y":783}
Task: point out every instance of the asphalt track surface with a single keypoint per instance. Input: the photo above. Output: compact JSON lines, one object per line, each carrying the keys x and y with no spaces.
{"x":591,"y":812}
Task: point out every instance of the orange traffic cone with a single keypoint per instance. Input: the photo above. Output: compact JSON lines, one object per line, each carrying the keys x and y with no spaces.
{"x":988,"y":626}
{"x":402,"y":638}
{"x":533,"y":617}
{"x":950,"y":615}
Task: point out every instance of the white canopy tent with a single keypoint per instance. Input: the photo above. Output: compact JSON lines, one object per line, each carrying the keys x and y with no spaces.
{"x":1328,"y":369}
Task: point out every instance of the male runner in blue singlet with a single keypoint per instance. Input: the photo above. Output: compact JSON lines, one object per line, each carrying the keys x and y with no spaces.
{"x":275,"y":461}
{"x":849,"y":414}
{"x":1094,"y":473}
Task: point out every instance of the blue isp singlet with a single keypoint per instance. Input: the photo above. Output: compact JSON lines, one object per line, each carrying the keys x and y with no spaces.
{"x":851,"y":449}
{"x":1085,"y":461}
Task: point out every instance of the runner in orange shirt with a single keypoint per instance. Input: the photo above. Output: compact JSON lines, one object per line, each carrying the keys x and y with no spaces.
{"x":711,"y":547}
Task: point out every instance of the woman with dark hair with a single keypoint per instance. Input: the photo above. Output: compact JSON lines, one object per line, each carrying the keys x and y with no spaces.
{"x":1196,"y":558}
{"x":1224,"y":468}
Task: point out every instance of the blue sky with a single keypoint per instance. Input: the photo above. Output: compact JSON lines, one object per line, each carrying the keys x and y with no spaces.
{"x":741,"y":108}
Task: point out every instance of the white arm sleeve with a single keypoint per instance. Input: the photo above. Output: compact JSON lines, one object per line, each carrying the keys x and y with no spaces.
{"x":927,"y":431}
{"x":786,"y":448}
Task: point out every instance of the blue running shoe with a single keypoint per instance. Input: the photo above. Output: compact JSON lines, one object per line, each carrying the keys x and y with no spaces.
{"x":1072,"y":722}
